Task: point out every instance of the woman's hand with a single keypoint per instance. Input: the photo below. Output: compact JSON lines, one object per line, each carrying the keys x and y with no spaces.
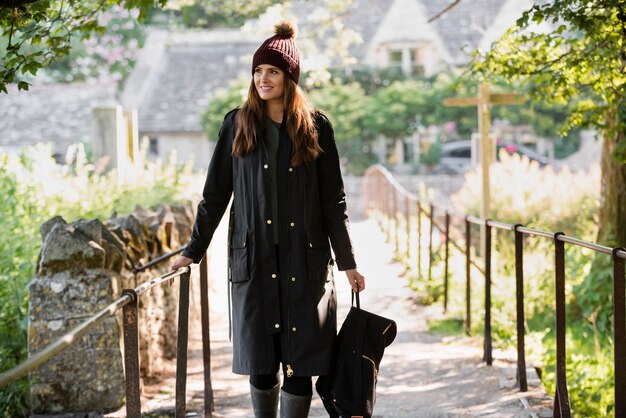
{"x":181,"y":261}
{"x":356,"y":280}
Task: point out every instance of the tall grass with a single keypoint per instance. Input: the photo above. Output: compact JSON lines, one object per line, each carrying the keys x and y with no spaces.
{"x":550,"y":200}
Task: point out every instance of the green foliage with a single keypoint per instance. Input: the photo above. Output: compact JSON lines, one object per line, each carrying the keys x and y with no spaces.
{"x":551,"y":201}
{"x":394,"y":111}
{"x":590,"y":374}
{"x":35,"y":34}
{"x":344,"y":104}
{"x":102,"y":56}
{"x":577,"y":63}
{"x":16,"y":268}
{"x":215,"y":13}
{"x":222,"y":102}
{"x":33,"y":188}
{"x":432,"y":155}
{"x":447,"y":326}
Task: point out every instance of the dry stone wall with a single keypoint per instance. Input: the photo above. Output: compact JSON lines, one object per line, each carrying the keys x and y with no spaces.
{"x":83,"y":266}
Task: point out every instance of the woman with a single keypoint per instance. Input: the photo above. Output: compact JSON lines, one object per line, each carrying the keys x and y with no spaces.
{"x":277,"y":157}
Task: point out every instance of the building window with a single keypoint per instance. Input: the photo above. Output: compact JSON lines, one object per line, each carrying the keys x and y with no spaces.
{"x":417,"y":58}
{"x":395,"y":58}
{"x":153,"y":146}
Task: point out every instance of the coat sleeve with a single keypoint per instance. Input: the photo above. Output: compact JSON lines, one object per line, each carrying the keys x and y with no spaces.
{"x":216,"y":194}
{"x":333,"y":197}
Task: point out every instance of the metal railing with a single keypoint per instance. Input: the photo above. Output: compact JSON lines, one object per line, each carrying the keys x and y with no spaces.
{"x":382,"y":193}
{"x":128,"y":302}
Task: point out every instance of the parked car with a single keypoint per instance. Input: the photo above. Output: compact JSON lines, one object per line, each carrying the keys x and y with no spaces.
{"x":456,"y":156}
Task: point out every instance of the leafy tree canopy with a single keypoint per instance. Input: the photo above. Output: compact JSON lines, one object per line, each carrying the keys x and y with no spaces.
{"x":219,"y":13}
{"x":569,"y":53}
{"x":34,"y":33}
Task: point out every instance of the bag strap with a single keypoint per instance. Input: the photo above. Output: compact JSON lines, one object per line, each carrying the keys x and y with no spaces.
{"x":358,"y":301}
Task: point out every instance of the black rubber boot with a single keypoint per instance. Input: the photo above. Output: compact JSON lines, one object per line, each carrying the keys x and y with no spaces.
{"x":264,"y":402}
{"x":294,"y":406}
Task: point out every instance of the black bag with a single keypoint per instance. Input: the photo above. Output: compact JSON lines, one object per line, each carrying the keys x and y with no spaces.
{"x":350,"y":388}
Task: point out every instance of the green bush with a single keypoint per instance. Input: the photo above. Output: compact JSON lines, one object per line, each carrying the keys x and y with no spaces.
{"x":33,"y":188}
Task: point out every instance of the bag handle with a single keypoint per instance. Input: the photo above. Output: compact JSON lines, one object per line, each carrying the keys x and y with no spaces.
{"x":358,"y":301}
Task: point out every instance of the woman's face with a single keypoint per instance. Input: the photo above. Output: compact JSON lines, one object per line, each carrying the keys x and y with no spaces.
{"x":269,"y":82}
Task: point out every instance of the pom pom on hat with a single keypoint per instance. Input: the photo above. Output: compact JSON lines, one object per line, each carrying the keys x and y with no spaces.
{"x":280,"y":51}
{"x":285,"y":29}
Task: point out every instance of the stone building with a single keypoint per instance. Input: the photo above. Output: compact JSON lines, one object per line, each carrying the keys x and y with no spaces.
{"x":178,"y":72}
{"x":58,"y":114}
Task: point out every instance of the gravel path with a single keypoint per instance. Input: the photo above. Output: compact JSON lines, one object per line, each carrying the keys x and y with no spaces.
{"x":421,"y":375}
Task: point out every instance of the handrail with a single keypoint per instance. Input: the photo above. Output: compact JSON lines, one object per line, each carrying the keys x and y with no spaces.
{"x":69,"y":338}
{"x":60,"y":344}
{"x":128,"y":302}
{"x":382,"y":187}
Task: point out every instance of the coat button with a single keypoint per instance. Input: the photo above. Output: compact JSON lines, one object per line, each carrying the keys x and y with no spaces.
{"x":290,"y":169}
{"x":273,"y":275}
{"x":266,"y":166}
{"x":269,"y":221}
{"x":276,"y":325}
{"x":293,"y":279}
{"x":292,"y":224}
{"x":293,"y":329}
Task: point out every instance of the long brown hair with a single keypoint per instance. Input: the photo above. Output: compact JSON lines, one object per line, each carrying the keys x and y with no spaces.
{"x":299,"y":118}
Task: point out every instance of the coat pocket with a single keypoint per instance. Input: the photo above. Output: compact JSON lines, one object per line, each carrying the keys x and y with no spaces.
{"x":317,"y":257}
{"x":239,"y":265}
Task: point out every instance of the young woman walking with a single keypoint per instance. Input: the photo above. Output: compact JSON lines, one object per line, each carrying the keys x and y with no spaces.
{"x":277,"y":158}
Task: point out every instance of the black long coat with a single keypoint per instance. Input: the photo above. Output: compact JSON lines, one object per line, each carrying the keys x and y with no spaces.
{"x":296,"y":299}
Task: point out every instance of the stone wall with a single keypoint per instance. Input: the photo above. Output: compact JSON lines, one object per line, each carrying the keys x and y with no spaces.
{"x":82,"y":268}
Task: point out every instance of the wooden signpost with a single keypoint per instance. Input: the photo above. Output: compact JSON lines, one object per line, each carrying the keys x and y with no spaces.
{"x":484,"y":102}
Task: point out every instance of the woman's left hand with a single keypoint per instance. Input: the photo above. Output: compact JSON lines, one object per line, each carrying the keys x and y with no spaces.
{"x":356,"y":280}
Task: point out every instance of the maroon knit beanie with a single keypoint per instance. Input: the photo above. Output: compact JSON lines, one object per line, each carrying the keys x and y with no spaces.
{"x":280,"y":51}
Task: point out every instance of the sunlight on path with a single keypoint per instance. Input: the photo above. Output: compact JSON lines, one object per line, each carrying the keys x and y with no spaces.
{"x":421,"y":374}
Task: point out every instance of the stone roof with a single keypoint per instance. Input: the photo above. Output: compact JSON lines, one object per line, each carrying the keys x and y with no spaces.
{"x":363,"y":17}
{"x":194,"y":64}
{"x":55,"y":113}
{"x":191,"y":69}
{"x":462,"y":27}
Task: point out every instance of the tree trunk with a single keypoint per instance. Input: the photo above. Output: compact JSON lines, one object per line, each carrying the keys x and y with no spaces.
{"x":612,"y":218}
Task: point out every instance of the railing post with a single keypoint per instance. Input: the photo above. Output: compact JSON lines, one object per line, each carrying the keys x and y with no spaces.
{"x":181,"y":349}
{"x":430,"y":242}
{"x":206,"y":338}
{"x":561,"y":398}
{"x":380,"y":196}
{"x":419,"y":240}
{"x":407,"y":218}
{"x":447,"y":253}
{"x":487,"y":357}
{"x":396,"y":220}
{"x":519,"y":297}
{"x":619,"y":333}
{"x":131,"y":355}
{"x":388,"y":212}
{"x":468,"y":282}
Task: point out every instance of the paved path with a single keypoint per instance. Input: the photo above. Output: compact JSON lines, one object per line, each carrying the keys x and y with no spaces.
{"x":422,"y":375}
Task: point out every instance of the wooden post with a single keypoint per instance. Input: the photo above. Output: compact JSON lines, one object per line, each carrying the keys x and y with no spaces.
{"x":484,"y":102}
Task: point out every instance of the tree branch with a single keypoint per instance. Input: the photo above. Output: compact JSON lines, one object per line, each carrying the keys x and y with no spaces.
{"x":444,"y":11}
